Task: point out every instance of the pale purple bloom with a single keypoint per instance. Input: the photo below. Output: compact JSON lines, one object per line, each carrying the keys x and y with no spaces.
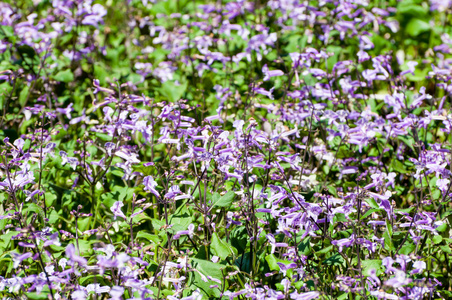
{"x":150,"y":184}
{"x":269,"y":74}
{"x":411,"y":67}
{"x":188,"y":232}
{"x":70,"y":252}
{"x":96,"y":288}
{"x":19,"y":258}
{"x":443,"y":184}
{"x":116,"y":209}
{"x":347,"y":242}
{"x":383,"y":295}
{"x":271,"y":239}
{"x":398,"y":280}
{"x":283,"y":267}
{"x":116,"y":292}
{"x":304,"y":296}
{"x":419,"y":266}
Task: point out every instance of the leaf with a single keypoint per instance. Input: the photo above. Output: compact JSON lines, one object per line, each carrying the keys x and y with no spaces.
{"x":272,"y":262}
{"x":64,"y":76}
{"x":407,"y":248}
{"x":32,"y":207}
{"x":325,"y":250}
{"x":173,"y":92}
{"x":50,"y":199}
{"x":224,"y":201}
{"x":339,"y":217}
{"x":398,"y":166}
{"x":335,"y":260}
{"x":40,"y":296}
{"x":437,"y":239}
{"x":221,"y":248}
{"x":370,"y":264}
{"x":388,"y":241}
{"x":411,"y":9}
{"x":147,"y":236}
{"x":446,"y":249}
{"x":389,"y":227}
{"x":372,"y":203}
{"x":208,"y":268}
{"x":26,"y":50}
{"x":23,"y":95}
{"x":416,"y":27}
{"x":408,"y":141}
{"x":442,"y":227}
{"x":304,"y":247}
{"x":370,"y":211}
{"x":239,"y":238}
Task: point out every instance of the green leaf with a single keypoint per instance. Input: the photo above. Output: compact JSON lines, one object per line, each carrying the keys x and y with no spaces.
{"x":180,"y":219}
{"x":34,"y":208}
{"x":224,"y":201}
{"x":389,"y":227}
{"x":325,"y":250}
{"x":272,"y":262}
{"x":220,"y":248}
{"x":407,"y":248}
{"x":398,"y":166}
{"x":437,"y":239}
{"x":23,"y":95}
{"x":416,"y":27}
{"x":409,"y":8}
{"x":173,"y":92}
{"x":369,"y":212}
{"x":446,"y":249}
{"x":64,"y":76}
{"x":304,"y":247}
{"x":372,"y":203}
{"x":147,"y":236}
{"x":26,"y":50}
{"x":50,"y":199}
{"x":339,"y":217}
{"x":208,"y":268}
{"x":442,"y":227}
{"x":40,"y":296}
{"x":388,"y":241}
{"x":335,"y":260}
{"x":370,"y":264}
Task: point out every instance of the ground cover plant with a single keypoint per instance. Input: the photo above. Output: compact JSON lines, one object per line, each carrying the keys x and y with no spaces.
{"x":280,"y":149}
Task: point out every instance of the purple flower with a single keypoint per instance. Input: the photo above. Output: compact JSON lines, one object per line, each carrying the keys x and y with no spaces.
{"x":347,"y":242}
{"x":116,"y":209}
{"x":19,"y":258}
{"x":150,"y":184}
{"x":269,"y":74}
{"x":188,"y":232}
{"x":398,"y":280}
{"x":419,"y":266}
{"x":443,"y":184}
{"x":116,"y":292}
{"x":304,"y":296}
{"x":284,"y":268}
{"x":274,"y":244}
{"x":74,"y":258}
{"x":411,"y":69}
{"x":382,"y":295}
{"x":173,"y":191}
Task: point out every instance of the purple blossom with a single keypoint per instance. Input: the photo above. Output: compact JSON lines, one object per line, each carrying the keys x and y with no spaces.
{"x":150,"y":184}
{"x":269,"y":74}
{"x":116,"y":209}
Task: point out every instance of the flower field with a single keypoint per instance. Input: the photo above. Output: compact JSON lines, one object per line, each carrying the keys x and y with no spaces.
{"x":227,"y":149}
